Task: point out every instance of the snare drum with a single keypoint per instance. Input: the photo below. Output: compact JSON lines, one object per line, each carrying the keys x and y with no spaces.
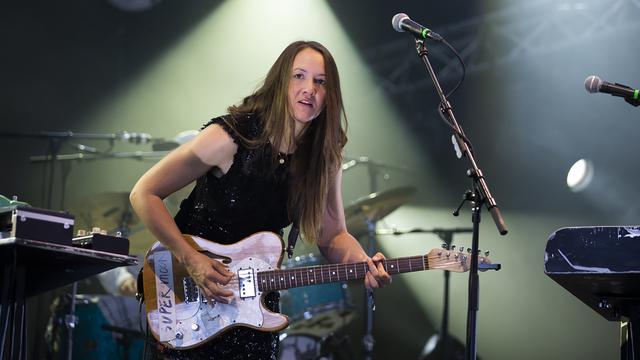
{"x":316,"y":310}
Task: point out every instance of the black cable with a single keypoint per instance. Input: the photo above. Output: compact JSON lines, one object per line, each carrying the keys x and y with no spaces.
{"x":462,"y":66}
{"x":441,"y":106}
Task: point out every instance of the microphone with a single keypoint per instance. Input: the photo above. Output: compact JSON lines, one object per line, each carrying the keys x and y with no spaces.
{"x":401,"y":23}
{"x":594,"y":84}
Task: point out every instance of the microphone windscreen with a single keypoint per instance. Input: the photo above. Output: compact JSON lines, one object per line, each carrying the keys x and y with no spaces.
{"x":397,"y":20}
{"x":592,"y":84}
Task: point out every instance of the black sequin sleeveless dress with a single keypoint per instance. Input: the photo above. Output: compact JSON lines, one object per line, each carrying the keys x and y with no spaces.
{"x":250,"y":197}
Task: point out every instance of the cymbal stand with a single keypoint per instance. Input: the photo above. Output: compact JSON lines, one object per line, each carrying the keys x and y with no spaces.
{"x":373,"y":170}
{"x":71,"y":320}
{"x":368,"y":340}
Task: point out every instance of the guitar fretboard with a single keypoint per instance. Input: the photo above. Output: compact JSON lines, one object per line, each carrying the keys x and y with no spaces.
{"x":323,"y":274}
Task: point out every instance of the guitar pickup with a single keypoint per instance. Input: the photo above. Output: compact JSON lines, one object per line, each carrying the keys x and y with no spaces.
{"x":191,"y":292}
{"x":247,"y":285}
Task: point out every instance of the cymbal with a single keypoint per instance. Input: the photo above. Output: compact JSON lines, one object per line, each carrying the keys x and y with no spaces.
{"x":110,"y":211}
{"x":374,"y":207}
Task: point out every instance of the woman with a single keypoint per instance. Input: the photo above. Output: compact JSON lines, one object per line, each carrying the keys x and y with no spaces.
{"x":275,"y":158}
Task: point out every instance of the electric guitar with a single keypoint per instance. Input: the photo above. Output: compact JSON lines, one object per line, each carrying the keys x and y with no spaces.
{"x":180,"y":318}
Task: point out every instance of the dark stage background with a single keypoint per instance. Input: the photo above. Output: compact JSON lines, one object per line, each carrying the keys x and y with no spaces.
{"x":91,"y":67}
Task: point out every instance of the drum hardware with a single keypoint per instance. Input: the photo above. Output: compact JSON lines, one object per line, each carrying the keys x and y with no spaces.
{"x":57,"y":139}
{"x":361,"y":218}
{"x":318,"y":310}
{"x":181,"y":138}
{"x":125,"y":338}
{"x":336,"y":346}
{"x":71,"y":320}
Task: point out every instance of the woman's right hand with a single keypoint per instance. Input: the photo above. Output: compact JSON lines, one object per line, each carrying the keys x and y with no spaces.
{"x":210,"y":275}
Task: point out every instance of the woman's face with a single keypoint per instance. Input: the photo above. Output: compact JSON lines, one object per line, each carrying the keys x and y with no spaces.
{"x":307,"y":87}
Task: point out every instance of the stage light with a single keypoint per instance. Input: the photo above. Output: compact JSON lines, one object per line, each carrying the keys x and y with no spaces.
{"x":580,"y":175}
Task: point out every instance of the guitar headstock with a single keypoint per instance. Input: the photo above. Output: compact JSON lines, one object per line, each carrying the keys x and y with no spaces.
{"x":454,"y":260}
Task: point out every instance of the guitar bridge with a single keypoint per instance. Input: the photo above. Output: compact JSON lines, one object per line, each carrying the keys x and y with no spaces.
{"x":247,"y":285}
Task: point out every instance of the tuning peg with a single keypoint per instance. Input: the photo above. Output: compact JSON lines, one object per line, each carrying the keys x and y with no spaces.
{"x":469,"y":250}
{"x":486,"y":253}
{"x":461,"y":249}
{"x":444,"y":246}
{"x":453,"y":247}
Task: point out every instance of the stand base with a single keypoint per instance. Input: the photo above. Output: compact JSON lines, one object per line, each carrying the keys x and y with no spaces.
{"x":629,"y":340}
{"x":442,"y":348}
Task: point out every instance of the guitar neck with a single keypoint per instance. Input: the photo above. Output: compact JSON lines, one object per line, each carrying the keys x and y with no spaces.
{"x":324,"y":274}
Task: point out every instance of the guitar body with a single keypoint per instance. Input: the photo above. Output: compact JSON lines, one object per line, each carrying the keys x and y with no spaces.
{"x":176,"y":314}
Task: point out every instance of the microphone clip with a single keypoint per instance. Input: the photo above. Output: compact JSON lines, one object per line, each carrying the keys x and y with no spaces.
{"x":634,"y":102}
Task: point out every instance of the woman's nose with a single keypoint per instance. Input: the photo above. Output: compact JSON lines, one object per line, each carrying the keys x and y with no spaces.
{"x":309,"y":88}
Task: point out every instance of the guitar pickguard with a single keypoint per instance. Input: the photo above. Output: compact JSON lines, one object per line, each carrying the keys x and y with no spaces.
{"x":200,"y":320}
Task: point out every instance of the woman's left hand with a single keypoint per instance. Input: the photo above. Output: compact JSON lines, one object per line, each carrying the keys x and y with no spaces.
{"x":377,"y":276}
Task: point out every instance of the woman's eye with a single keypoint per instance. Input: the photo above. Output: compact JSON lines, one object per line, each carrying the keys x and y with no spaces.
{"x":298,"y":76}
{"x":321,"y":81}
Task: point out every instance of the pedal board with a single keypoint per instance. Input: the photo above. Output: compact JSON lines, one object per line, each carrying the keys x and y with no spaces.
{"x":101,"y":242}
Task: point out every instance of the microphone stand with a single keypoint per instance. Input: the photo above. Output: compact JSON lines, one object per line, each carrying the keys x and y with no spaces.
{"x":479,"y":196}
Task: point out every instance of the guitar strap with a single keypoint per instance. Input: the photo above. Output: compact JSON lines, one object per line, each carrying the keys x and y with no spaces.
{"x":293,"y":238}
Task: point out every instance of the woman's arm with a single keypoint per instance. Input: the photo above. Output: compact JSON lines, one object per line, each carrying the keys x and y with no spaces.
{"x":338,"y":246}
{"x":213,"y":147}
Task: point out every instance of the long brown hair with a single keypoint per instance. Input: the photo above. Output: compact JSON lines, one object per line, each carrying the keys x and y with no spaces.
{"x":318,"y":151}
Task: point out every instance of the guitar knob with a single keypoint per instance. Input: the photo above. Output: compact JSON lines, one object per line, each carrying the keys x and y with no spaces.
{"x":179,"y":336}
{"x":195,"y":327}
